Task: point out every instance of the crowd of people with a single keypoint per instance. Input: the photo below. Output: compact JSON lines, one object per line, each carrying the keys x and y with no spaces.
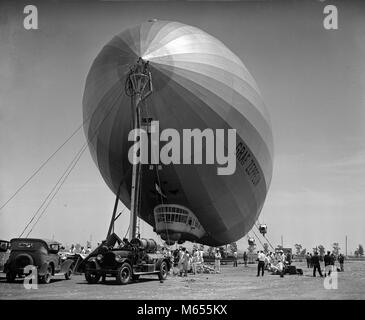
{"x":329,"y":259}
{"x":274,"y":262}
{"x":277,"y":262}
{"x":184,"y":261}
{"x":81,"y":250}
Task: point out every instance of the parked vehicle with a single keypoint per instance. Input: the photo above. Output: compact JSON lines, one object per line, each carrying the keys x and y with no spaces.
{"x":126,"y":262}
{"x":4,"y":253}
{"x":41,"y":253}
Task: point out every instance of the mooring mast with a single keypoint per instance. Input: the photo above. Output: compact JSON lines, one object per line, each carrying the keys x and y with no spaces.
{"x":138,"y":87}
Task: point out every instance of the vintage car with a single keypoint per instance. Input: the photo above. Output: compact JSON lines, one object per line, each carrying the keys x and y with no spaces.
{"x":126,"y":262}
{"x":4,"y":253}
{"x":41,"y":253}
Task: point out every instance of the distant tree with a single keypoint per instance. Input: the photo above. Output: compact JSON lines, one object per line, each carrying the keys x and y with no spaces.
{"x":360,"y":250}
{"x":298,"y":248}
{"x":233,"y":247}
{"x":336,"y":248}
{"x":266,"y":247}
{"x":251,"y":248}
{"x":303,"y":252}
{"x":321,"y":250}
{"x":210,"y":252}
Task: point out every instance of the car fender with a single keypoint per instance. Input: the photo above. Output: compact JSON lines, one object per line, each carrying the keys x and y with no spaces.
{"x":66,"y":265}
{"x":123,"y":260}
{"x":43,"y":269}
{"x":94,"y":262}
{"x":159,"y":261}
{"x":126,"y":260}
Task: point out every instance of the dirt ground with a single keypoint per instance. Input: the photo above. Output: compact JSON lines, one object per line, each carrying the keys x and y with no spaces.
{"x":232,"y":283}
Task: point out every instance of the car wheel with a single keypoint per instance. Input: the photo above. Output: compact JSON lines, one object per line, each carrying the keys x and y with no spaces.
{"x":124,"y":274}
{"x":92,"y":277}
{"x":46,"y":279}
{"x":10,"y":276}
{"x":163,"y":271}
{"x":68,"y":274}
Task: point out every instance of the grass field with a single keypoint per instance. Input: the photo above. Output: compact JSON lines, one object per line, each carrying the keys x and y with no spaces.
{"x":232,"y":283}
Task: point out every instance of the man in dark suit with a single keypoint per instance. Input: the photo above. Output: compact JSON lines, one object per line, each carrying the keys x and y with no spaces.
{"x":316,"y":264}
{"x":341,"y":259}
{"x":327,"y":264}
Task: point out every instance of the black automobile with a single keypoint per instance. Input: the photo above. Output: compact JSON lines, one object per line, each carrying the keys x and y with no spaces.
{"x":4,"y":253}
{"x":127,"y":262}
{"x":41,"y":253}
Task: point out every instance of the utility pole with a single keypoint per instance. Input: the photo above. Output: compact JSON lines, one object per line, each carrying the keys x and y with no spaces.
{"x":346,"y":245}
{"x":138,"y":88}
{"x":282,"y":242}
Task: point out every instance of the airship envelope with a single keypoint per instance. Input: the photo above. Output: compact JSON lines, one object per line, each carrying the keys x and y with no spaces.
{"x":198,"y":83}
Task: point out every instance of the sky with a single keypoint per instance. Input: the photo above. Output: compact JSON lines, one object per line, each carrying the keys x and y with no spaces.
{"x":311,"y":79}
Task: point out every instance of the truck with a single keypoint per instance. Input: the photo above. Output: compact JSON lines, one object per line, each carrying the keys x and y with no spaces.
{"x":125,"y":260}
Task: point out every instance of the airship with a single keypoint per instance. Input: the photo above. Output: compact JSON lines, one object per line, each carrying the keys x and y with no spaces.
{"x":197,"y":82}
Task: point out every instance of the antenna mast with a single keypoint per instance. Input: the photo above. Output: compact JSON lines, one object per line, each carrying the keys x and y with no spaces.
{"x":138,"y":88}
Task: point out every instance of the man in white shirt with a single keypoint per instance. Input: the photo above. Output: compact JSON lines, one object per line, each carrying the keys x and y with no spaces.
{"x":267,"y":262}
{"x":261,"y":263}
{"x":217,"y":261}
{"x":235,"y":257}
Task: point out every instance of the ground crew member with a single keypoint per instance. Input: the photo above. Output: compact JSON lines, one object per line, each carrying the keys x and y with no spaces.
{"x":245,"y":257}
{"x":316,"y":264}
{"x":217,"y":261}
{"x":308,"y":257}
{"x":332,"y":261}
{"x":235,"y":256}
{"x":261,"y":263}
{"x":341,"y":259}
{"x":327,"y":264}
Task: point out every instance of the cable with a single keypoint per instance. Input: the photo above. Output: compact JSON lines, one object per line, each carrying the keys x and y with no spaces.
{"x":73,"y":164}
{"x":269,"y":242}
{"x":59,"y":187}
{"x":258,"y":238}
{"x":127,"y":231}
{"x":45,"y":162}
{"x":49,"y":194}
{"x":265,"y":237}
{"x":160,"y":187}
{"x":157,"y":174}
